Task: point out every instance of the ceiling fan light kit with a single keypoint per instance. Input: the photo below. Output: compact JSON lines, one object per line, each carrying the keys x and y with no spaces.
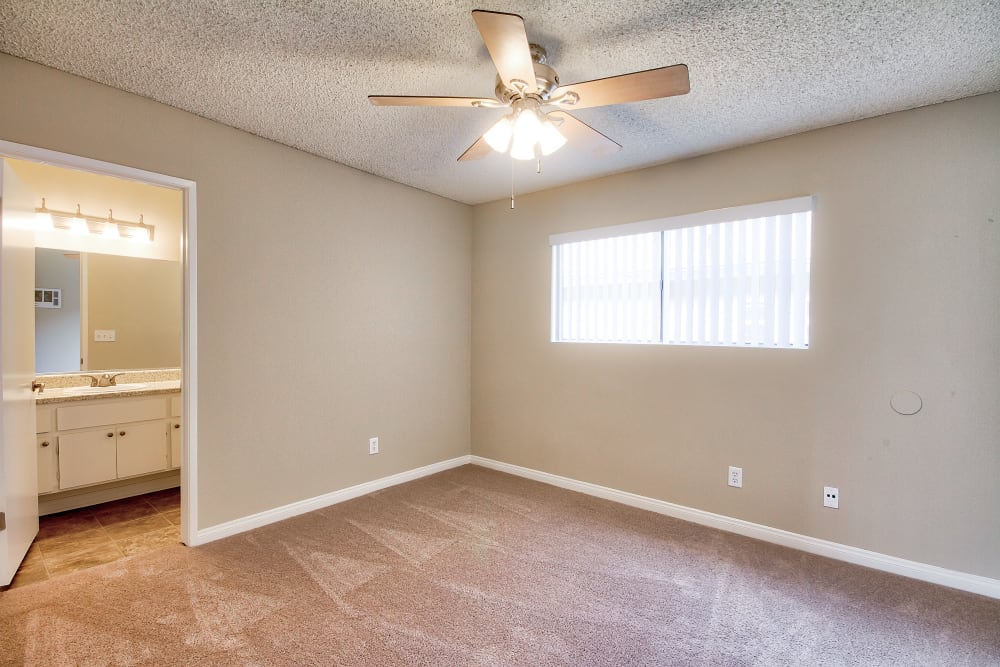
{"x":538,"y":123}
{"x":525,"y":132}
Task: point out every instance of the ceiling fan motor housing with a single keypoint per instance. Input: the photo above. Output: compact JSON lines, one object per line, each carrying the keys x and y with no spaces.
{"x":546,"y":78}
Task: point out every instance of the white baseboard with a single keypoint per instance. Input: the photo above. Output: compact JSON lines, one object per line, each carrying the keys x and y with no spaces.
{"x":60,"y":501}
{"x":907,"y":568}
{"x":246,"y":523}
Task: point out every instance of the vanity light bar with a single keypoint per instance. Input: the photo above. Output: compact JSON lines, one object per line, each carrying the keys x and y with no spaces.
{"x":79,"y":223}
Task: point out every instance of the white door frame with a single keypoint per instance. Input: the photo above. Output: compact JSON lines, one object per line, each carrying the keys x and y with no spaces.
{"x":189,"y":357}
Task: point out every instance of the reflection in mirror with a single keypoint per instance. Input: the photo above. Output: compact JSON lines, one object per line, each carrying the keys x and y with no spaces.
{"x":115,"y":312}
{"x":57,"y":326}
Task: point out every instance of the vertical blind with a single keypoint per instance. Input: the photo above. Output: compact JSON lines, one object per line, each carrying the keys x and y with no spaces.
{"x":608,"y":290}
{"x":739,"y":278}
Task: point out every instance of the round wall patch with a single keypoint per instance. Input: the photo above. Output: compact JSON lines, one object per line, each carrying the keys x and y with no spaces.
{"x":906,"y":402}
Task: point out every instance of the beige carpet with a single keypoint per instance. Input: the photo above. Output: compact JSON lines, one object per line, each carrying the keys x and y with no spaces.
{"x":475,"y":567}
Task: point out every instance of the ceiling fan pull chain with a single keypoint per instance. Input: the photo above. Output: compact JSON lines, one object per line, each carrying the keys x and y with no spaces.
{"x":512,"y":185}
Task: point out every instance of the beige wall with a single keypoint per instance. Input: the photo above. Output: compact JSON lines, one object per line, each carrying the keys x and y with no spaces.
{"x":332,"y":305}
{"x":140,"y":299}
{"x":905,"y":294}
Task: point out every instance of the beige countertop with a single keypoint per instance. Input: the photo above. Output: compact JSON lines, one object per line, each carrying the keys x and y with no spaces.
{"x":124,"y":390}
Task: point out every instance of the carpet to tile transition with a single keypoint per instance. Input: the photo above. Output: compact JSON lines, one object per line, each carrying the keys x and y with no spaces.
{"x":476,"y":567}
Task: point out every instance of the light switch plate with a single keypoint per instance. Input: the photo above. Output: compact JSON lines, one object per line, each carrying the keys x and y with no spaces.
{"x":105,"y":335}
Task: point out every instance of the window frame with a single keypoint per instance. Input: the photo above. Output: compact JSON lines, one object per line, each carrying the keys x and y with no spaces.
{"x":749,"y":212}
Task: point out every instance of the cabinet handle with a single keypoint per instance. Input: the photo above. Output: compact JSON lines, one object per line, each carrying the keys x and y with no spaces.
{"x":111,"y":435}
{"x":177,"y":425}
{"x":45,"y":444}
{"x":121,"y":432}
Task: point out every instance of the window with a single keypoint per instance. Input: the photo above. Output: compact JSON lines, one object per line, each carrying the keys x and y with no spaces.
{"x":737,"y":276}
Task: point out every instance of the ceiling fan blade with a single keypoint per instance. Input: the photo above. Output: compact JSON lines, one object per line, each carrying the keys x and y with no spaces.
{"x":584,"y":136}
{"x":476,"y":151}
{"x":429,"y":101}
{"x":647,"y":85}
{"x":507,"y":43}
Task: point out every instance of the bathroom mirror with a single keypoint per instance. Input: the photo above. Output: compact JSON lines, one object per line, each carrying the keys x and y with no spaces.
{"x":112,"y":312}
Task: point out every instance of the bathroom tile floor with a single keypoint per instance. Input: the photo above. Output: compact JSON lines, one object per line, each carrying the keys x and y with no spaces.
{"x":78,"y":539}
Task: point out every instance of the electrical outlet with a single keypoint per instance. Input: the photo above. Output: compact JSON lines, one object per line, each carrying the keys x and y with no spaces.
{"x":105,"y":335}
{"x":735,"y":476}
{"x":373,"y":445}
{"x":831,"y":497}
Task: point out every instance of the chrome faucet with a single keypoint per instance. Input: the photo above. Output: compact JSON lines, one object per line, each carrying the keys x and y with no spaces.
{"x":105,"y":380}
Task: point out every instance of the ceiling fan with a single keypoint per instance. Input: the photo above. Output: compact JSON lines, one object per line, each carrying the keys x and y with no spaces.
{"x":538,"y":123}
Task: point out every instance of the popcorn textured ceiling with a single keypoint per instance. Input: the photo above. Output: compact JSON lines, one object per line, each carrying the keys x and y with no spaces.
{"x":299,"y":71}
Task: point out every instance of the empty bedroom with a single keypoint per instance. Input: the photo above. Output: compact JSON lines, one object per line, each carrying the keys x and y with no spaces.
{"x":576,"y":333}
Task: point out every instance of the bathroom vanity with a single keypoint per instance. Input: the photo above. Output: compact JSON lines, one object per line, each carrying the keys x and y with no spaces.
{"x":97,"y":444}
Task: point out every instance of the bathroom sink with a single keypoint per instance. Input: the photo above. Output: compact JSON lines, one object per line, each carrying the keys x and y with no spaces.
{"x":106,"y":390}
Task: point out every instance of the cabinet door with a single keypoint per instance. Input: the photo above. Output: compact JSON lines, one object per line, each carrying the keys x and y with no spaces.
{"x":87,"y":457}
{"x":175,"y":443}
{"x":48,"y":463}
{"x":142,"y":448}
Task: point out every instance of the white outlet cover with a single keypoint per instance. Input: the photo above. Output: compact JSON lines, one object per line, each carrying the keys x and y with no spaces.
{"x":831,"y":497}
{"x":735,"y":477}
{"x":373,"y":445}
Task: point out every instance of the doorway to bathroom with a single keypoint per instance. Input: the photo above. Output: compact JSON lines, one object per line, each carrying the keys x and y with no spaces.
{"x":18,"y":492}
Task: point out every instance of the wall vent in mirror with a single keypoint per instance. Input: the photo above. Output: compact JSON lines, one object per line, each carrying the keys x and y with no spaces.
{"x":48,"y":298}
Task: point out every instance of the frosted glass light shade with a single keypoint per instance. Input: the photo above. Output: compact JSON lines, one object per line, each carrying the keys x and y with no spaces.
{"x":527,"y":129}
{"x":525,"y":133}
{"x":522,"y":149}
{"x":498,"y":136}
{"x":43,"y":221}
{"x":551,"y":139}
{"x":140,"y":235}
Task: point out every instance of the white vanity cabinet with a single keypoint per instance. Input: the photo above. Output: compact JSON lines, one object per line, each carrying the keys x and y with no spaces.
{"x":48,"y":464}
{"x":48,"y":457}
{"x":175,"y":432}
{"x":142,"y":448}
{"x":102,"y":440}
{"x":87,"y":457}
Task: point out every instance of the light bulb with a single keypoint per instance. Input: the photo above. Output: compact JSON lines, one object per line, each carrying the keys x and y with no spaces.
{"x":551,"y":138}
{"x":111,"y":231}
{"x":141,"y":234}
{"x":527,"y":128}
{"x":522,"y":149}
{"x":498,"y":136}
{"x":78,"y":224}
{"x":43,"y":220}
